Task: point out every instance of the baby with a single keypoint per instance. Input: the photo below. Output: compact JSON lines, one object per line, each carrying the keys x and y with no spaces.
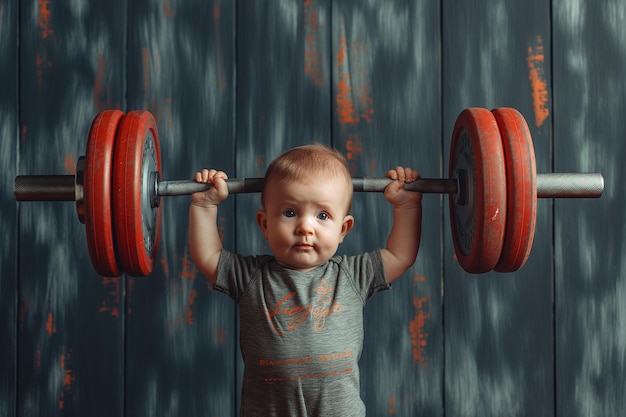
{"x":301,"y":309}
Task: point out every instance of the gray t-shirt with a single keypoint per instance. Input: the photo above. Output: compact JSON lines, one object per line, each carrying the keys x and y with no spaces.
{"x":301,"y":332}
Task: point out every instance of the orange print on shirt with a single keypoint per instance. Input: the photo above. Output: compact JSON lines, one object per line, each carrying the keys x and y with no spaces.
{"x":287,"y":310}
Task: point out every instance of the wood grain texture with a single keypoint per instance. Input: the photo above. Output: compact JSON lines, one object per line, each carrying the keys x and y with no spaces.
{"x":498,"y":328}
{"x":181,"y":335}
{"x":70,"y":320}
{"x":9,"y":142}
{"x":386,"y":112}
{"x":589,"y":93}
{"x":234,"y":84}
{"x":283,"y":97}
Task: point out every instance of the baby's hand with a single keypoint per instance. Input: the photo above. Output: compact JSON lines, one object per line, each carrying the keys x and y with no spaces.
{"x":395,"y":192}
{"x":214,"y":195}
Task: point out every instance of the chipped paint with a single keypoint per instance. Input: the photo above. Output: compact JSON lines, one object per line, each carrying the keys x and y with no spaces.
{"x":68,"y":377}
{"x":538,"y":84}
{"x":418,"y":326}
{"x":392,"y":406}
{"x":353,"y":101}
{"x":44,"y":19}
{"x":168,"y":11}
{"x":50,"y":325}
{"x":42,"y":63}
{"x":113,"y":295}
{"x":101,"y":95}
{"x":313,"y":31}
{"x":69,"y":164}
{"x":219,"y":55}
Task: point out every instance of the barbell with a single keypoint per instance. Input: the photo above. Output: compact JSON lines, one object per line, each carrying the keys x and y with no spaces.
{"x":492,"y":185}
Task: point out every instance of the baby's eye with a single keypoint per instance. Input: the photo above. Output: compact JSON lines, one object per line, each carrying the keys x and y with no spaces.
{"x":323,"y":216}
{"x":289,"y":213}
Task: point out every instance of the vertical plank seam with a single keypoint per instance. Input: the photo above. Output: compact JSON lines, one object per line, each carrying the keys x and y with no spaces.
{"x":18,"y":120}
{"x":553,"y":212}
{"x":235,"y":133}
{"x":442,"y":219}
{"x":18,"y":117}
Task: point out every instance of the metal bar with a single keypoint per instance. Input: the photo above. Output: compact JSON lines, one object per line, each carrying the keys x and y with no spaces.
{"x":186,"y":187}
{"x":423,"y":185}
{"x":44,"y":188}
{"x":570,"y":185}
{"x":255,"y":185}
{"x":558,"y":185}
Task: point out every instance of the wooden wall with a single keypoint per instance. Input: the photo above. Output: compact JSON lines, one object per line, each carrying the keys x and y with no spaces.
{"x":232,"y":85}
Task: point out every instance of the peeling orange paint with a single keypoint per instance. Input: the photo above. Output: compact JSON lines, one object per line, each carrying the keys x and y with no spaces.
{"x":260,"y":165}
{"x":44,"y":19}
{"x":167,"y":9}
{"x":68,"y":379}
{"x":146,"y":68}
{"x":220,"y":336}
{"x":38,"y":359}
{"x":24,"y":309}
{"x":42,"y":63}
{"x":345,"y":108}
{"x":50,"y":326}
{"x":392,"y":406}
{"x":162,"y":109}
{"x":192,"y":298}
{"x":188,"y":267}
{"x":367,"y":103}
{"x":419,"y":325}
{"x":313,"y":63}
{"x":354,"y":147}
{"x":110,"y":305}
{"x":100,"y":96}
{"x":354,"y":151}
{"x":347,"y":112}
{"x":130,"y":290}
{"x":221,"y":72}
{"x":68,"y":164}
{"x":165,"y":266}
{"x":536,"y":65}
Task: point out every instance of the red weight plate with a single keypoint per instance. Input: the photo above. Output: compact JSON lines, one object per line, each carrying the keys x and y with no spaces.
{"x":97,"y":190}
{"x":478,"y":219}
{"x":137,"y":221}
{"x":521,"y":179}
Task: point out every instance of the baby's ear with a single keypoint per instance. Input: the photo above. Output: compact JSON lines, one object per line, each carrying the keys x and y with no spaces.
{"x":346,"y":226}
{"x":261,"y":219}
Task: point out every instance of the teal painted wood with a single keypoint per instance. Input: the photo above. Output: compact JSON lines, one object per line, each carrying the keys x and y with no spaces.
{"x":283,"y":97}
{"x":8,"y":209}
{"x":180,"y":346}
{"x":232,"y":86}
{"x":71,"y":321}
{"x":498,"y":328}
{"x":386,"y":112}
{"x":589,"y":93}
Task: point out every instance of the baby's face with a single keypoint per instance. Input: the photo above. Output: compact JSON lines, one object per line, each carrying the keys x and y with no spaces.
{"x":305,"y":221}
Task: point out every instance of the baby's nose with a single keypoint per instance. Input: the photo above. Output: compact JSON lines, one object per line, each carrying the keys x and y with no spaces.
{"x":305,"y":226}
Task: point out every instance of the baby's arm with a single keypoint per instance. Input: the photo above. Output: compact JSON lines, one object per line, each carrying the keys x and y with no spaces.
{"x":205,"y":244}
{"x":404,"y":239}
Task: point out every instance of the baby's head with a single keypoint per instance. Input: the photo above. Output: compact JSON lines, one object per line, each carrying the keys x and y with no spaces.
{"x":308,"y":163}
{"x":306,"y":203}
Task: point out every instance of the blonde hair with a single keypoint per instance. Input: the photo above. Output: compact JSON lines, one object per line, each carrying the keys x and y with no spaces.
{"x":305,"y":161}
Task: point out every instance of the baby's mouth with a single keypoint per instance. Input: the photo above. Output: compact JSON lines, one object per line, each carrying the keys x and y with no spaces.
{"x":303,"y":246}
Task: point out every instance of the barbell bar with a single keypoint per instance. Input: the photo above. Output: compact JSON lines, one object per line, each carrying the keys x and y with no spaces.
{"x":63,"y":187}
{"x":492,"y":188}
